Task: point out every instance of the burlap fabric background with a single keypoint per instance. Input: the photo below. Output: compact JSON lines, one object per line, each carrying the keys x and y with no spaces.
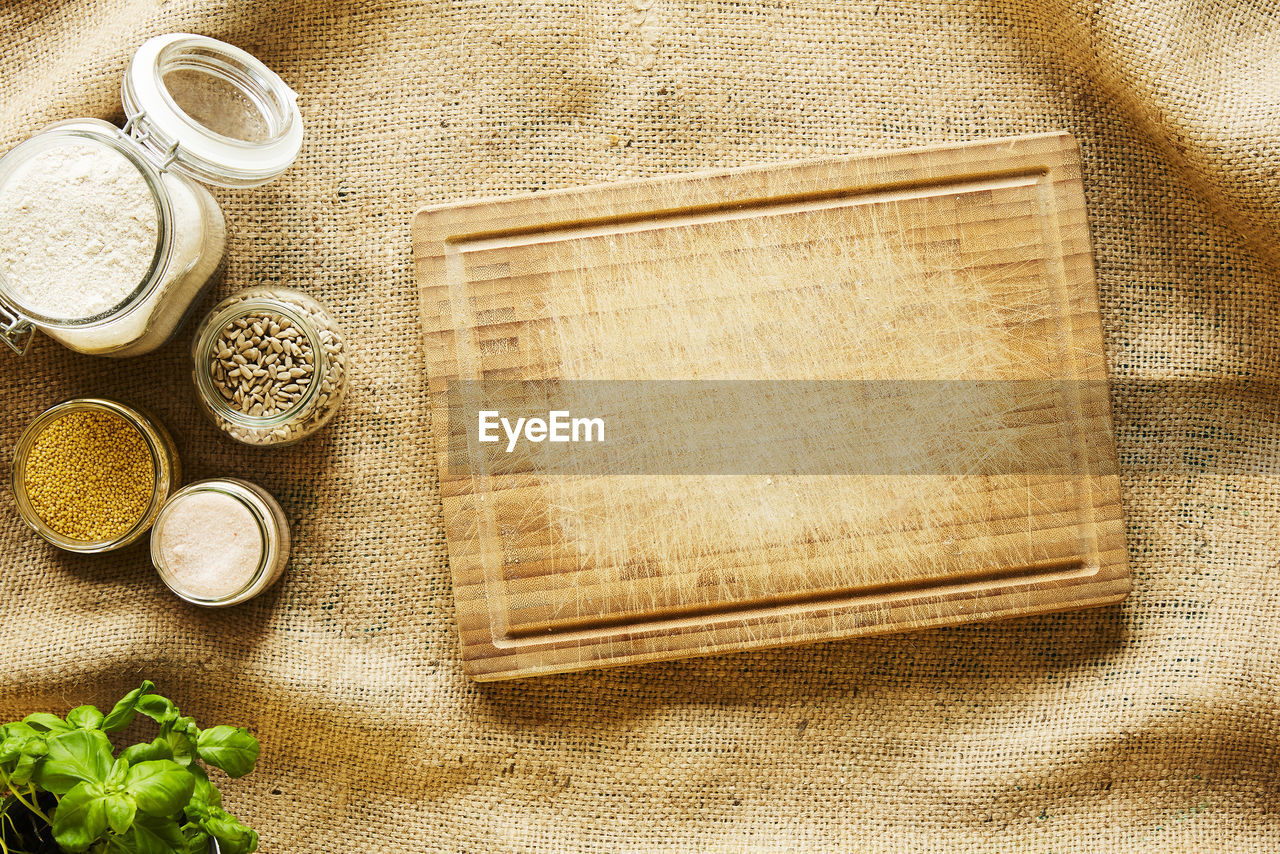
{"x":1149,"y":727}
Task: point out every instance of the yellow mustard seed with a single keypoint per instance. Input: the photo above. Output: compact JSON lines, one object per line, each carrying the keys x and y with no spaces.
{"x":89,"y":476}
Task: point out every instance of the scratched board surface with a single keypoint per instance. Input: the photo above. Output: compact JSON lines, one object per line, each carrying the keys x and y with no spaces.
{"x":842,"y":397}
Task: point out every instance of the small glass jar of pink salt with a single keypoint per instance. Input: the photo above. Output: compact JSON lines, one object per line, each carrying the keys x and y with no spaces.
{"x":220,"y":542}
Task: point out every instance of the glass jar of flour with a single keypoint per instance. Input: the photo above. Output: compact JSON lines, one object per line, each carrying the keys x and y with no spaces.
{"x":107,"y":236}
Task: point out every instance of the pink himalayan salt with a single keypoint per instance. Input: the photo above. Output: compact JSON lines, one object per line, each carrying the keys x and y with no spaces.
{"x":211,"y":545}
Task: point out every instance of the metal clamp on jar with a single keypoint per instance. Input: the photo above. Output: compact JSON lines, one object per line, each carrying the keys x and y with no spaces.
{"x":107,"y":237}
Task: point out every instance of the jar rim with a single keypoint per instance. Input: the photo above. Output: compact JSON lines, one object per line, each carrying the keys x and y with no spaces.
{"x":157,"y":441}
{"x":202,"y":352}
{"x":243,"y":492}
{"x":188,"y":144}
{"x":114,"y":139}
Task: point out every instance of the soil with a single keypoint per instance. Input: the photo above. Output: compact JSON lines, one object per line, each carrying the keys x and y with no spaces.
{"x":25,"y":833}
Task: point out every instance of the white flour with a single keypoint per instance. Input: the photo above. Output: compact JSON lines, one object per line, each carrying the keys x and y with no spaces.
{"x":78,"y":230}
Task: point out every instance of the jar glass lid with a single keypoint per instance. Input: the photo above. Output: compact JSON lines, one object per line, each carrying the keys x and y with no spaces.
{"x":211,"y":110}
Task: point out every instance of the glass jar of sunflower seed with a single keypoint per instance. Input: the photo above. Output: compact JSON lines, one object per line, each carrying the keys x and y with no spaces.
{"x":270,"y":365}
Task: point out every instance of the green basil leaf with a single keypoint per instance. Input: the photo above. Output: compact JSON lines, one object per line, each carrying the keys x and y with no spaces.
{"x":81,"y":755}
{"x":161,"y":787}
{"x":196,"y":810}
{"x":80,"y":817}
{"x":36,"y":746}
{"x":32,"y":743}
{"x":23,"y":770}
{"x":154,"y":835}
{"x":122,"y":714}
{"x":233,"y":837}
{"x":147,"y":751}
{"x":115,"y":777}
{"x":181,"y":746}
{"x":85,"y":717}
{"x":45,"y":722}
{"x":197,"y":839}
{"x":17,"y":733}
{"x":16,"y":728}
{"x":233,"y":749}
{"x":120,"y":812}
{"x":205,"y":794}
{"x":121,"y":845}
{"x":159,"y":709}
{"x":23,"y":760}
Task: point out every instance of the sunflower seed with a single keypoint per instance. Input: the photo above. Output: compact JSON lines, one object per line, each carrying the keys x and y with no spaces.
{"x":263,"y":364}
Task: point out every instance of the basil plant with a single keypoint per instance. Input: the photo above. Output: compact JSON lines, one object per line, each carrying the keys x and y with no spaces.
{"x":64,"y":789}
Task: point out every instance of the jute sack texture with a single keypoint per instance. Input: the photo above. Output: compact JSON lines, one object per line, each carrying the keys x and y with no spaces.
{"x":1148,"y":727}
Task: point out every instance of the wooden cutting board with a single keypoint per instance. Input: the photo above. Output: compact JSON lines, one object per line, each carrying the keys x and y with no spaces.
{"x":949,"y":290}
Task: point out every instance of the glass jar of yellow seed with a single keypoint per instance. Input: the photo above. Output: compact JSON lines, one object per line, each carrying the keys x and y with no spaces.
{"x":90,"y":474}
